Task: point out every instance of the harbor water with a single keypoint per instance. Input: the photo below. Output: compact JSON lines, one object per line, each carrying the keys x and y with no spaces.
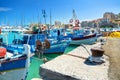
{"x":36,"y":62}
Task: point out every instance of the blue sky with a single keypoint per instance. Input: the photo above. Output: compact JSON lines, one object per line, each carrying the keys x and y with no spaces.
{"x":18,"y":12}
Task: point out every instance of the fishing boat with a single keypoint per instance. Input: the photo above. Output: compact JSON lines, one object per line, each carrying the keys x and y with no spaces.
{"x":58,"y":41}
{"x":78,"y":34}
{"x":57,"y":44}
{"x":84,"y":36}
{"x":12,"y":61}
{"x":87,"y":39}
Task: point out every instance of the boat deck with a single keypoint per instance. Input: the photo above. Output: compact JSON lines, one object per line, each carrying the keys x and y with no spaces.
{"x":74,"y":66}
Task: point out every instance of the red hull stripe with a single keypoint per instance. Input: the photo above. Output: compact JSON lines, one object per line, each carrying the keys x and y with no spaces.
{"x":85,"y":37}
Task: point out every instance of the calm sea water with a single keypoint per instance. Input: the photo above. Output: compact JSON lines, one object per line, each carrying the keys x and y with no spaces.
{"x":35,"y":64}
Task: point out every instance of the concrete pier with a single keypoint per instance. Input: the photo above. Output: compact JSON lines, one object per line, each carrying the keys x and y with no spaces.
{"x":74,"y":66}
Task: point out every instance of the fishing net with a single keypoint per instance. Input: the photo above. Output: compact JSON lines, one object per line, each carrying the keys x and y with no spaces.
{"x":115,"y":35}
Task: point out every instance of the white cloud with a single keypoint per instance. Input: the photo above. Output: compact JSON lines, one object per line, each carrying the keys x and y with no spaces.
{"x":5,"y":9}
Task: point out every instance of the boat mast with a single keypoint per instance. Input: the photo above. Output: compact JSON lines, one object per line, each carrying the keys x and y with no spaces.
{"x":50,"y":23}
{"x":39,"y":22}
{"x":44,"y":15}
{"x":22,"y":22}
{"x":74,"y":21}
{"x":50,"y":19}
{"x":74,"y":17}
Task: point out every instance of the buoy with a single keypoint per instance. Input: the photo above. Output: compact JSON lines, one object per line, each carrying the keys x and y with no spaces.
{"x":2,"y":52}
{"x":71,"y":20}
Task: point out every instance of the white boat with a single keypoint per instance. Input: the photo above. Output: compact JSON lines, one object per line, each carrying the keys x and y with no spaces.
{"x":84,"y":36}
{"x":88,"y":39}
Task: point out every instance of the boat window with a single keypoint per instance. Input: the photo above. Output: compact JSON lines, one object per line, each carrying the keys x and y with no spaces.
{"x":25,"y":39}
{"x":30,"y":37}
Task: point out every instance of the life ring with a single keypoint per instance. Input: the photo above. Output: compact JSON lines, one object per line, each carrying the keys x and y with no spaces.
{"x":47,"y":44}
{"x":2,"y":53}
{"x":77,"y":21}
{"x":71,"y":20}
{"x":38,"y":45}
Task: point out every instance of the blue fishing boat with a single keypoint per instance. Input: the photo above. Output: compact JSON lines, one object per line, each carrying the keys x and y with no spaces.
{"x":12,"y":61}
{"x":57,"y":44}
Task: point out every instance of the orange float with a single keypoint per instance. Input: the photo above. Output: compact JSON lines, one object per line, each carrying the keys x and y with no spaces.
{"x":2,"y":52}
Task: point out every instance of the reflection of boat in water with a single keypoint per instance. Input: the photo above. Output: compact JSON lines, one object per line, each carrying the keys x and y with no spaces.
{"x":12,"y":61}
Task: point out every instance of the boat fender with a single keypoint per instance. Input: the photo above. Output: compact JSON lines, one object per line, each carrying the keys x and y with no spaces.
{"x":2,"y":52}
{"x":0,"y":30}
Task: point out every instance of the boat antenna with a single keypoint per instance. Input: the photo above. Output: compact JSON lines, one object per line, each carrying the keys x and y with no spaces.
{"x":39,"y":23}
{"x":50,"y":23}
{"x":44,"y":15}
{"x":16,"y":22}
{"x":74,"y":15}
{"x":74,"y":20}
{"x":21,"y":20}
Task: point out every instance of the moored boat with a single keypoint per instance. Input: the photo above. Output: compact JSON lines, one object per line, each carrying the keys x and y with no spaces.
{"x":57,"y":44}
{"x":88,"y":39}
{"x":84,"y":36}
{"x":12,"y":61}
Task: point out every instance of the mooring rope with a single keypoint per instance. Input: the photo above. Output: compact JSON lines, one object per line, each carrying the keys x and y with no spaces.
{"x":85,"y":49}
{"x":76,"y":56}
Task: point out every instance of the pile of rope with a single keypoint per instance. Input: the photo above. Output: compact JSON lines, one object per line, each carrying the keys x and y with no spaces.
{"x":115,"y":35}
